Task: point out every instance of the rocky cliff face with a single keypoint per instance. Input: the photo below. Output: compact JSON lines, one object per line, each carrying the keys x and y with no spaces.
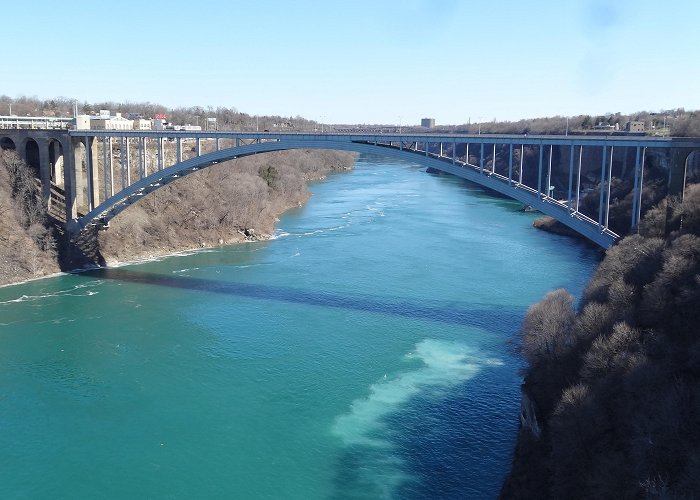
{"x":27,"y":247}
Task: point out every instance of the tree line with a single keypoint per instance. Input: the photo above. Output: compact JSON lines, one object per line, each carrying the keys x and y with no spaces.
{"x":677,"y":122}
{"x":227,"y":118}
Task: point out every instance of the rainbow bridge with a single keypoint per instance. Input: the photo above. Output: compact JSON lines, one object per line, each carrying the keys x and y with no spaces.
{"x":98,"y":173}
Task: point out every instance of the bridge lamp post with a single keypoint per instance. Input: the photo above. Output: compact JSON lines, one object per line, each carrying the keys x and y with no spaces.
{"x":567,"y":125}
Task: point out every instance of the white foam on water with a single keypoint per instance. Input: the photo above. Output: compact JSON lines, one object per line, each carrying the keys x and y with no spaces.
{"x":279,"y":234}
{"x":161,"y":257}
{"x":284,"y":234}
{"x":71,"y":292}
{"x":443,"y":365}
{"x":185,"y":270}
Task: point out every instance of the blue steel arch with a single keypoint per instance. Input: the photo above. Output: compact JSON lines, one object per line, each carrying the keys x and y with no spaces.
{"x":583,"y":225}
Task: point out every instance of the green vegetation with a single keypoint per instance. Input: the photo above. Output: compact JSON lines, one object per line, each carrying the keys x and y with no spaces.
{"x":615,"y":382}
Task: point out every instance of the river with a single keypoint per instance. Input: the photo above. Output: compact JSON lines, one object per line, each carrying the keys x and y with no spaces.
{"x":365,"y":352}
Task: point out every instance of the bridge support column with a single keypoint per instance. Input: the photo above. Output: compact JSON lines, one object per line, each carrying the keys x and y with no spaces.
{"x":636,"y":193}
{"x":602,"y":185}
{"x":198,"y":147}
{"x":142,"y":155}
{"x":522,"y":162}
{"x":607,"y":192}
{"x":178,"y":148}
{"x":160,"y":153}
{"x":44,"y":171}
{"x":74,"y":179}
{"x":121,"y":161}
{"x":676,"y":185}
{"x":510,"y":165}
{"x":111,"y":168}
{"x":571,"y":176}
{"x":539,"y":174}
{"x":69,"y":179}
{"x":578,"y":177}
{"x":549,"y":172}
{"x":55,"y":153}
{"x":104,"y":165}
{"x":93,"y":175}
{"x":128,"y":161}
{"x":481,"y":159}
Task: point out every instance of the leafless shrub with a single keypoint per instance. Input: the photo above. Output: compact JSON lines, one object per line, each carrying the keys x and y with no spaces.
{"x":546,"y":328}
{"x":611,"y":352}
{"x":635,"y":260}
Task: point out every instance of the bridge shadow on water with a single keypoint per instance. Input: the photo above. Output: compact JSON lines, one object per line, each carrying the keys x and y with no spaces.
{"x":504,"y":320}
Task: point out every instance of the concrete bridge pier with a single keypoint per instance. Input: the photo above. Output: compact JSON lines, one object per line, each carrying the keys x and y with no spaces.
{"x":45,"y":171}
{"x":676,"y":184}
{"x":56,"y":160}
{"x":83,"y":178}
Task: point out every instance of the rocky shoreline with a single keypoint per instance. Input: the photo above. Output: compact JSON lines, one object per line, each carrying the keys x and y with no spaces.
{"x":230,"y":203}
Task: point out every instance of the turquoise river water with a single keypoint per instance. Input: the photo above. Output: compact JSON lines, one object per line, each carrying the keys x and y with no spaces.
{"x":365,"y":352}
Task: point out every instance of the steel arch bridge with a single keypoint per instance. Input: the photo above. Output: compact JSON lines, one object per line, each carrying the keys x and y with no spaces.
{"x":95,"y":189}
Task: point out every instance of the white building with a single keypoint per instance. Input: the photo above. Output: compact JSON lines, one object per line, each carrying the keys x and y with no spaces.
{"x":82,"y":122}
{"x":141,"y":124}
{"x":106,"y":122}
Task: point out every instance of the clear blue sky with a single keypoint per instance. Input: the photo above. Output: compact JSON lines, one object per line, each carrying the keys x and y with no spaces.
{"x":357,"y":61}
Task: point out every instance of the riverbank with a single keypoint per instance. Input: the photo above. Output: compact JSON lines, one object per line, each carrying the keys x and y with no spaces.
{"x":551,"y":225}
{"x":232,"y":202}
